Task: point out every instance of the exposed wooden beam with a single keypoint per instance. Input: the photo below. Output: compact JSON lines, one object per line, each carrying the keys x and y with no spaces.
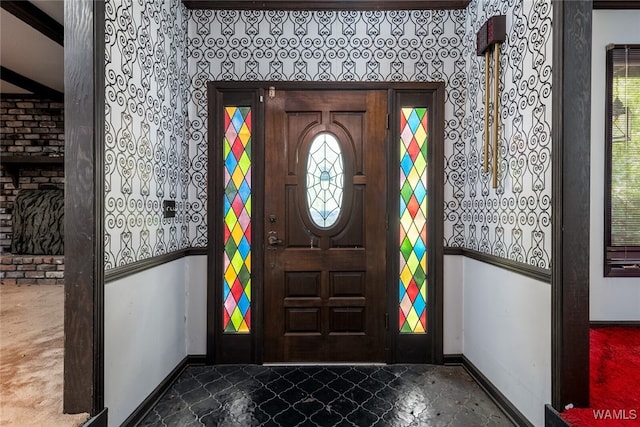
{"x":84,"y":210}
{"x":33,"y":16}
{"x":26,"y":83}
{"x":325,"y":4}
{"x":570,"y":231}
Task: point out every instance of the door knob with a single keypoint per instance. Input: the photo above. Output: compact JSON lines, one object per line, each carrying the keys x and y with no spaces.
{"x":273,"y":239}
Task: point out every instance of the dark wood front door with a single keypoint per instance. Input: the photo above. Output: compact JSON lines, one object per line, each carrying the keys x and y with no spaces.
{"x":325,"y":226}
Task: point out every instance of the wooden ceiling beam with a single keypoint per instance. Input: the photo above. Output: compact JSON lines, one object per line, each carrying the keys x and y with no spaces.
{"x":30,"y":14}
{"x":26,"y":83}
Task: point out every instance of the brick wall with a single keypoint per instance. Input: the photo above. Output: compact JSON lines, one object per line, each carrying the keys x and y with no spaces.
{"x":29,"y":127}
{"x":32,"y":269}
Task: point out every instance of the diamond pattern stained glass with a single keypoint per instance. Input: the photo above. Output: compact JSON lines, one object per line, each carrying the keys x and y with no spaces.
{"x":237,"y":220}
{"x":413,"y":220}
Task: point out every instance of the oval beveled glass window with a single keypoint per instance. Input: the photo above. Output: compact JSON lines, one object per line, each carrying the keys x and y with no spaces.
{"x":325,"y":180}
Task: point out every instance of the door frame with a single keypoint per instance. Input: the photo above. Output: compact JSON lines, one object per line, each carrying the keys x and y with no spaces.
{"x":85,"y":298}
{"x":84,"y":115}
{"x":247,"y":348}
{"x":570,"y":162}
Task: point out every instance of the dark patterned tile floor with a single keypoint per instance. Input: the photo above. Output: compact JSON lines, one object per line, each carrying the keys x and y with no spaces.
{"x":387,"y":395}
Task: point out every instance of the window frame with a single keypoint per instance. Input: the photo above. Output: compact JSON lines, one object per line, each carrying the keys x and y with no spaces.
{"x":619,"y":261}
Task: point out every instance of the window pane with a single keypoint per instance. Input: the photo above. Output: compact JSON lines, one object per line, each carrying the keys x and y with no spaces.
{"x":237,"y":220}
{"x":413,"y":220}
{"x":625,"y":147}
{"x":325,"y":180}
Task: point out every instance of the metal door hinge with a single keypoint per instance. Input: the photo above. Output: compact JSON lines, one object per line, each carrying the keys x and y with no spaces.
{"x":387,"y":121}
{"x":386,"y":321}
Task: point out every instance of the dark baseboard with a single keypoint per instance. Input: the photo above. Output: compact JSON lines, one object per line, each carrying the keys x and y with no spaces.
{"x":99,"y":420}
{"x":143,"y":409}
{"x":609,"y":323}
{"x":507,"y":407}
{"x":453,"y":359}
{"x":145,"y":264}
{"x":498,"y":398}
{"x":541,"y":274}
{"x":552,"y":417}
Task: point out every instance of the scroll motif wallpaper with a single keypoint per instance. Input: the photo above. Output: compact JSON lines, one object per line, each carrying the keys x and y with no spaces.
{"x":329,"y":46}
{"x":514,"y":220}
{"x":146,"y":155}
{"x":160,"y":56}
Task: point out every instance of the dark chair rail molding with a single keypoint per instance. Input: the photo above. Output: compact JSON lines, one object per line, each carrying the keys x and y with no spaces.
{"x":541,"y":274}
{"x":145,"y":264}
{"x":609,"y":323}
{"x":531,"y":271}
{"x":335,"y":5}
{"x":616,"y":4}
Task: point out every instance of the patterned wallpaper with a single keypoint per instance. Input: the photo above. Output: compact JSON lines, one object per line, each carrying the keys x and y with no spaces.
{"x":514,"y":220}
{"x":146,"y":149}
{"x":160,"y":56}
{"x":329,"y":46}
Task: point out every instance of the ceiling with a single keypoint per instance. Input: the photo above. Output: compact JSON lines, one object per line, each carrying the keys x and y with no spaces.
{"x":32,"y":37}
{"x":31,"y":47}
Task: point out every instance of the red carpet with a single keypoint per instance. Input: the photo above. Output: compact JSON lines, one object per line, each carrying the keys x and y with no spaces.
{"x":615,"y":380}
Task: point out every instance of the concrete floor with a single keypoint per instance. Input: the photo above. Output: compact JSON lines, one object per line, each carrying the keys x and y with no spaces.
{"x":31,"y":356}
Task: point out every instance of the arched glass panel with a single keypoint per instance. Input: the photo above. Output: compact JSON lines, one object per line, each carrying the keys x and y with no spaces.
{"x":325,"y":180}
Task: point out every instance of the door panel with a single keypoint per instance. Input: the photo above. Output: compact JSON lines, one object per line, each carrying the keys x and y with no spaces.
{"x":324,"y":288}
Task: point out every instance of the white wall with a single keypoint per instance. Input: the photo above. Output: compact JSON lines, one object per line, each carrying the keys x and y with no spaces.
{"x":196,"y":300}
{"x":611,"y":299}
{"x":147,"y":333}
{"x":452,"y":304}
{"x":507,"y":334}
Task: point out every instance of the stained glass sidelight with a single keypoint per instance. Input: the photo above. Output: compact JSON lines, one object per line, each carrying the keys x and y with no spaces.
{"x":413,"y":220}
{"x":325,"y":180}
{"x":237,"y":220}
